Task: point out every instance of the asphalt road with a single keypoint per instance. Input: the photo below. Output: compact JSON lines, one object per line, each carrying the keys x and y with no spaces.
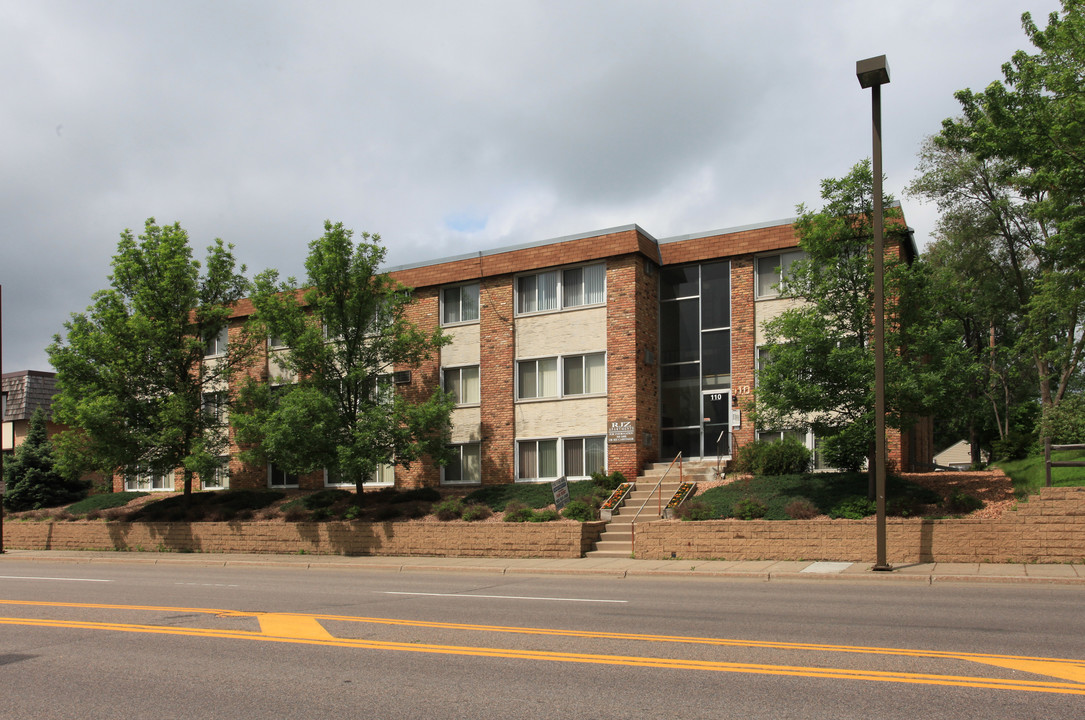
{"x":170,"y":641}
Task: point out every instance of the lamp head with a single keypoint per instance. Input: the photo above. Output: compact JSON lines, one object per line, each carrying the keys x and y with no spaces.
{"x":872,"y":71}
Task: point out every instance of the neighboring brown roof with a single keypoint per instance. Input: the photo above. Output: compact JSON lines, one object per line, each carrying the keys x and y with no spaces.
{"x":26,"y":391}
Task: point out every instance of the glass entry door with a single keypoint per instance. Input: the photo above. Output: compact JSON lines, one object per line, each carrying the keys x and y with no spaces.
{"x":716,"y":423}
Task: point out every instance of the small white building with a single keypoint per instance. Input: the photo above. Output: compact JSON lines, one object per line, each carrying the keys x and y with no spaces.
{"x":958,"y":456}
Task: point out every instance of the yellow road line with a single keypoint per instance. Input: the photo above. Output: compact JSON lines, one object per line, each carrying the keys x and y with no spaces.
{"x":540,"y":655}
{"x":305,"y":626}
{"x":987,"y":658}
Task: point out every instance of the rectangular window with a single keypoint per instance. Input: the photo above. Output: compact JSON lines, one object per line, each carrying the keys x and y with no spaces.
{"x":537,"y":378}
{"x":214,"y":407}
{"x":459,"y":304}
{"x":554,"y":290}
{"x":277,"y":477}
{"x":584,"y":285}
{"x":465,"y":466}
{"x":772,"y":272}
{"x":463,"y":383}
{"x":215,"y":345}
{"x":383,"y":476}
{"x":583,"y":456}
{"x":585,"y":374}
{"x":537,"y":460}
{"x":145,"y":480}
{"x":220,"y":479}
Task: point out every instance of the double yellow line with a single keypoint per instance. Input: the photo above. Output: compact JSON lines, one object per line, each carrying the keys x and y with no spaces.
{"x":306,"y":628}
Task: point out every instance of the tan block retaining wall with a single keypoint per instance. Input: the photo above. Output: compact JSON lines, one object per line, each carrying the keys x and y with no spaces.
{"x":453,"y":539}
{"x":1049,"y":528}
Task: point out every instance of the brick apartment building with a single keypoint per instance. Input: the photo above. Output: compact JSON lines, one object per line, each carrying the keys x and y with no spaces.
{"x":608,"y":349}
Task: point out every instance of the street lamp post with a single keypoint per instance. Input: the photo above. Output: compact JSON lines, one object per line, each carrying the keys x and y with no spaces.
{"x":873,"y":73}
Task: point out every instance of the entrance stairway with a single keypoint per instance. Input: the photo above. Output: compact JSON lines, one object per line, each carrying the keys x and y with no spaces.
{"x":617,"y":537}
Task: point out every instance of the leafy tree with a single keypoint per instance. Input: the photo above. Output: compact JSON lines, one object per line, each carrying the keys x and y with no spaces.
{"x":132,"y":375}
{"x":820,"y":372}
{"x":1029,"y":128}
{"x":33,"y":479}
{"x":344,"y":336}
{"x":981,"y":274}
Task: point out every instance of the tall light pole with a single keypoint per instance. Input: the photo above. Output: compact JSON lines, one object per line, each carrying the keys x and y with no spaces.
{"x":873,"y":73}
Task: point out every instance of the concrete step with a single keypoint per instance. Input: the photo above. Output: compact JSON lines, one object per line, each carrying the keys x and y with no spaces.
{"x":609,"y":553}
{"x":624,"y":548}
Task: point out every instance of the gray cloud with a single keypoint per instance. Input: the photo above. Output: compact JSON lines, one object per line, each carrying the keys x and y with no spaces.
{"x":446,"y":127}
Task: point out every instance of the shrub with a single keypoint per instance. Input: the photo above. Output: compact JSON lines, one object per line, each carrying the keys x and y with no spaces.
{"x":848,"y":449}
{"x":426,"y":494}
{"x":476,"y":511}
{"x":321,"y":515}
{"x":451,"y":509}
{"x":694,"y":510}
{"x":854,"y":508}
{"x":295,"y":513}
{"x":801,"y":509}
{"x":580,"y":511}
{"x":784,"y":457}
{"x":380,"y":512}
{"x":545,"y":515}
{"x":1016,"y":445}
{"x":749,"y":508}
{"x":961,"y":503}
{"x":326,"y":498}
{"x":609,"y":482}
{"x":516,"y":511}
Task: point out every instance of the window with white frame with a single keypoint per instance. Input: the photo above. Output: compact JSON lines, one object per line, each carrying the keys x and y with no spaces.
{"x":278,"y":477}
{"x":537,"y":459}
{"x":147,"y":481}
{"x":220,"y":478}
{"x":465,"y":466}
{"x":459,"y":304}
{"x":560,"y":289}
{"x":547,"y":459}
{"x":537,"y":378}
{"x":383,"y":476}
{"x":584,"y":374}
{"x":772,"y":272}
{"x":215,"y":345}
{"x":463,"y":383}
{"x":583,"y":456}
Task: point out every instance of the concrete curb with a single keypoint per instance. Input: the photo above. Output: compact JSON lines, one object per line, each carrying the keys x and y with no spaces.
{"x":759,"y":571}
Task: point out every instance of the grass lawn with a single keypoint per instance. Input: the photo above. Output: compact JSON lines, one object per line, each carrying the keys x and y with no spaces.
{"x":825,"y":490}
{"x":1029,"y":476}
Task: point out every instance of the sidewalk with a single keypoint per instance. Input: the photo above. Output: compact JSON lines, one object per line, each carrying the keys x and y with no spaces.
{"x":761,"y":570}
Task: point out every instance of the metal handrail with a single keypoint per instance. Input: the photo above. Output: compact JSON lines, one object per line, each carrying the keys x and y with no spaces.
{"x":657,"y":489}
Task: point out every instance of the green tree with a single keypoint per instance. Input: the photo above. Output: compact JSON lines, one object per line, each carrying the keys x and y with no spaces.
{"x":139,"y":369}
{"x":982,"y":270}
{"x":1029,"y":125}
{"x":343,"y":337}
{"x":33,"y":479}
{"x":820,"y":371}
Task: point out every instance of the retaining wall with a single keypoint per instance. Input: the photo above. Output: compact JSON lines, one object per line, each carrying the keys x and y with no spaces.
{"x":1049,"y":528}
{"x":452,"y":539}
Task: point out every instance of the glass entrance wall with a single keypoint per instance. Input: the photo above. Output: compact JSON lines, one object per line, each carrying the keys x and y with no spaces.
{"x":695,"y":357}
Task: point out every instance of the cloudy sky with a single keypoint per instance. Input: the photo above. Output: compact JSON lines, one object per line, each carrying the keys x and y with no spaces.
{"x":448,"y":127}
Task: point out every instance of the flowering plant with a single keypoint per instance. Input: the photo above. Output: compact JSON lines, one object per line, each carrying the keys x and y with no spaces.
{"x":617,"y":496}
{"x":683,"y":490}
